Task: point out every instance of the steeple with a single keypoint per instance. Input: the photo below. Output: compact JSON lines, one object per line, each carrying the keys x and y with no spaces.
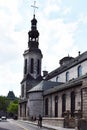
{"x":33,"y":34}
{"x":33,"y":56}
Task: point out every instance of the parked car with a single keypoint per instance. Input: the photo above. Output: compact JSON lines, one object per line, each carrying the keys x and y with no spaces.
{"x":0,"y":119}
{"x":3,"y":118}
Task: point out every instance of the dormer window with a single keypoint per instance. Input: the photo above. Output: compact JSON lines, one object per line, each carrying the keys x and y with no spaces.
{"x":67,"y":76}
{"x":79,"y":71}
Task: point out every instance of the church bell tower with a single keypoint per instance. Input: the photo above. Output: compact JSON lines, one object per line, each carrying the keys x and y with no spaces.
{"x":32,"y":68}
{"x":33,"y":56}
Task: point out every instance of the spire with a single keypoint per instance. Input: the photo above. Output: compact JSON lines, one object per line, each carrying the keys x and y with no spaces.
{"x":33,"y":33}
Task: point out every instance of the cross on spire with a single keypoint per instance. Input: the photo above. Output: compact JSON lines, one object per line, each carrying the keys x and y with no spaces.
{"x":35,"y":7}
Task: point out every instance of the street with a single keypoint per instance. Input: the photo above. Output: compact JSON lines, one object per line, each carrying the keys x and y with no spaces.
{"x":10,"y":124}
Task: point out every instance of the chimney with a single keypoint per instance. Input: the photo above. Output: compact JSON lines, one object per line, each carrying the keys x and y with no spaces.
{"x":79,"y":53}
{"x":45,"y":73}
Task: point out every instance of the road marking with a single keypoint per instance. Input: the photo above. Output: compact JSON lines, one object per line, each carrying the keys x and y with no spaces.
{"x":21,"y":126}
{"x":18,"y":125}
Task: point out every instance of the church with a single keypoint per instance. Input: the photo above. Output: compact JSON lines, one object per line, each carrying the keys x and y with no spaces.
{"x":51,"y":95}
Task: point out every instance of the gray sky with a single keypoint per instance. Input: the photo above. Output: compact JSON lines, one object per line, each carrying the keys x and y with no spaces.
{"x":62,"y":25}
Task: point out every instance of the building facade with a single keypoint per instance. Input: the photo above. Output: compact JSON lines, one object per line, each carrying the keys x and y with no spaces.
{"x":51,"y":95}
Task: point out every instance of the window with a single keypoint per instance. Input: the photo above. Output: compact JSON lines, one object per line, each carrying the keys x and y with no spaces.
{"x":46,"y":106}
{"x":25,"y":110}
{"x":63,"y":103}
{"x":79,"y":71}
{"x":25,"y":66}
{"x":57,"y":79}
{"x":72,"y":103}
{"x":20,"y":110}
{"x":56,"y":106}
{"x":38,"y":66}
{"x":32,"y":65}
{"x":22,"y":93}
{"x":67,"y":76}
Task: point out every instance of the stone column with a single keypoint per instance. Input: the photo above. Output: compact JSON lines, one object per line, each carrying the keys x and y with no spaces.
{"x":78,"y":100}
{"x":68,"y":101}
{"x":84,"y":102}
{"x":53,"y":111}
{"x":50,"y":105}
{"x":59,"y":105}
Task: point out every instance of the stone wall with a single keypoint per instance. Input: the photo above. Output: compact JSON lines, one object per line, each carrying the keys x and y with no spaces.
{"x":35,"y":104}
{"x":72,"y":73}
{"x":54,"y":121}
{"x":51,"y":109}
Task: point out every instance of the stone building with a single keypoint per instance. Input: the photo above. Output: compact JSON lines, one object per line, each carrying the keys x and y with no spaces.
{"x":11,"y":95}
{"x":51,"y":95}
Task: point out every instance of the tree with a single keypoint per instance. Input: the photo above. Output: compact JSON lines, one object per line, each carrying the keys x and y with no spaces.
{"x":4,"y":102}
{"x":13,"y":107}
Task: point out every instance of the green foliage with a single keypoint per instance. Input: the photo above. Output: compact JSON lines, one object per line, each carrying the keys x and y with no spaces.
{"x":13,"y":107}
{"x":4,"y":102}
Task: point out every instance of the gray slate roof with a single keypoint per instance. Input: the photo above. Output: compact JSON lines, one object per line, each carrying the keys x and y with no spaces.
{"x":73,"y":83}
{"x":44,"y":85}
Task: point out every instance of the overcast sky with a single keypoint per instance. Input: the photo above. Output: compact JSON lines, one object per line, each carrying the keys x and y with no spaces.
{"x":62,"y":25}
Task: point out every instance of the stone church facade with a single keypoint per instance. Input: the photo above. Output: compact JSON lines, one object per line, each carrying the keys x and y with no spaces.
{"x":51,"y":95}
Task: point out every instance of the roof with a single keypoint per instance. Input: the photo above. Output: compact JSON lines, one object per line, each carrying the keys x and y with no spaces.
{"x":11,"y":95}
{"x":28,"y":77}
{"x":65,"y":60}
{"x":22,"y":101}
{"x":44,"y":85}
{"x":70,"y":84}
{"x":75,"y":61}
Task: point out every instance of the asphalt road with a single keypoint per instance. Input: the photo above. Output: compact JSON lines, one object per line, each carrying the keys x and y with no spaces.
{"x":18,"y":125}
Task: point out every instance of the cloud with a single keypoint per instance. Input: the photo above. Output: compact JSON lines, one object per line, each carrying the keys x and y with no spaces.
{"x":57,"y":37}
{"x":83,"y":18}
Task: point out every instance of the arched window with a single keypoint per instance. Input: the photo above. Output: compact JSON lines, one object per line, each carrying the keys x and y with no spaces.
{"x":46,"y":106}
{"x":67,"y":76}
{"x":25,"y":66}
{"x":79,"y":71}
{"x":72,"y":103}
{"x":32,"y":65}
{"x":38,"y":66}
{"x":56,"y":106}
{"x":20,"y":110}
{"x":22,"y":91}
{"x":57,"y":79}
{"x":63,"y":103}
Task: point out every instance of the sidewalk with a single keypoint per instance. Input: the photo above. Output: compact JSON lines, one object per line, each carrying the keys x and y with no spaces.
{"x":49,"y":126}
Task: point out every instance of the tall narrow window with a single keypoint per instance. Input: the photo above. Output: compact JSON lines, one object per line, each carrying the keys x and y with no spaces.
{"x":46,"y":106}
{"x":63,"y":103}
{"x":25,"y":66}
{"x":25,"y":110}
{"x":72,"y":103}
{"x":38,"y":66}
{"x":79,"y":71}
{"x":67,"y":76}
{"x":32,"y":65}
{"x":57,"y":79}
{"x":56,"y":106}
{"x":20,"y":110}
{"x":22,"y":93}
